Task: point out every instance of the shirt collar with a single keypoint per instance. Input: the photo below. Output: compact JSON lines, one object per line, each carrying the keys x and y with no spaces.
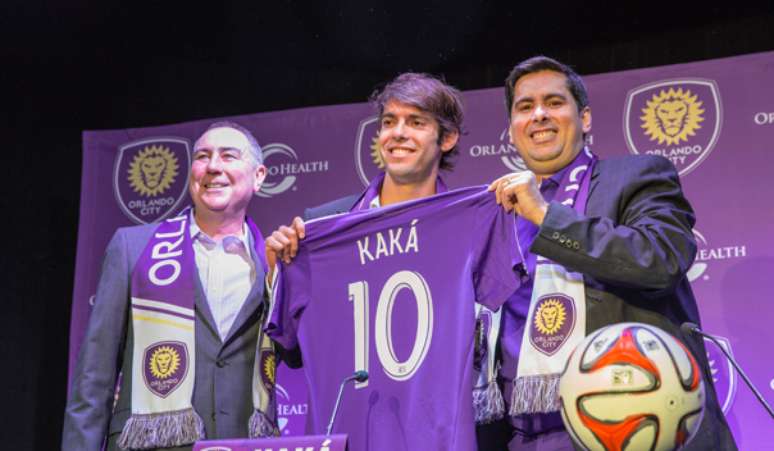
{"x":556,"y":179}
{"x":198,"y":234}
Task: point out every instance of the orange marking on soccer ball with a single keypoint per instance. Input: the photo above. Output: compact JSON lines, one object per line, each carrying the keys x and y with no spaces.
{"x":625,"y":352}
{"x":614,"y":435}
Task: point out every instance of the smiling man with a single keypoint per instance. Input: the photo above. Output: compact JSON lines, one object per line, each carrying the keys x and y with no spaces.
{"x":176,"y":320}
{"x":607,"y":241}
{"x":420,"y":122}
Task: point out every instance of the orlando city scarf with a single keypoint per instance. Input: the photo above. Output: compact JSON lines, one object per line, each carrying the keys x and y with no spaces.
{"x":163,"y":358}
{"x":556,"y":321}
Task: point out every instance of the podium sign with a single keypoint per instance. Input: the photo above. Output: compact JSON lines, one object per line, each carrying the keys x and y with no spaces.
{"x":337,"y":442}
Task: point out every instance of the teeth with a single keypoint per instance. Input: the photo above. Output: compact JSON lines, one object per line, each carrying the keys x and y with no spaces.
{"x":400,"y":152}
{"x":214,"y":185}
{"x":543,"y":134}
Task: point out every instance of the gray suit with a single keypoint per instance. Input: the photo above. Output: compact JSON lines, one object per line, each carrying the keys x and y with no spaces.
{"x":224,"y":369}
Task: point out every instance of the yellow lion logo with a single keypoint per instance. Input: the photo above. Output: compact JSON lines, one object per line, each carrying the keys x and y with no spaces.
{"x":376,"y":154}
{"x":164,"y":362}
{"x":550,"y":316}
{"x":270,"y":368}
{"x":153,"y":170}
{"x":672,"y":116}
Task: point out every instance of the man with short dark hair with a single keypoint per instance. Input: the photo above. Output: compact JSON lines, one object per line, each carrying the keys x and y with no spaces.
{"x":420,"y":122}
{"x":177,"y":319}
{"x":612,"y":237}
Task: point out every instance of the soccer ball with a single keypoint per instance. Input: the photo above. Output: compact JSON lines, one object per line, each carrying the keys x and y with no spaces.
{"x":631,"y":386}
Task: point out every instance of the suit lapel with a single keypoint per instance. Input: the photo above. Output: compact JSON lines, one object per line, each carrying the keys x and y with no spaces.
{"x":200,"y":299}
{"x":254,"y":299}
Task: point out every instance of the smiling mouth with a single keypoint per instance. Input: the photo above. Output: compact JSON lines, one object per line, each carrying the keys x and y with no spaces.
{"x":214,"y":185}
{"x":543,"y":135}
{"x":400,"y":151}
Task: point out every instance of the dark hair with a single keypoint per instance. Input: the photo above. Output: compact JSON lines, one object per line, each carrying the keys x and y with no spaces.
{"x":538,"y":63}
{"x":429,"y":94}
{"x":255,"y":150}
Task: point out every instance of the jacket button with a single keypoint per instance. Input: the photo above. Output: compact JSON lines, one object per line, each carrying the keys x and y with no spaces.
{"x":555,"y":235}
{"x":576,"y":245}
{"x":220,"y":363}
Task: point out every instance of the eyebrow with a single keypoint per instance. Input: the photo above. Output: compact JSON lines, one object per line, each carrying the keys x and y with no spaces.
{"x":550,"y":95}
{"x":410,"y":116}
{"x":222,"y":149}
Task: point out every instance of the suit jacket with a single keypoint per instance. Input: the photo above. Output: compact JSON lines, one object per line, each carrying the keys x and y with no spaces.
{"x":341,"y":205}
{"x":224,"y":369}
{"x":634,"y":245}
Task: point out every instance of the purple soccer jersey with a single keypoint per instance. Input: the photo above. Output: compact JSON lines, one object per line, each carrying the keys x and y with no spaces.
{"x":391,"y":291}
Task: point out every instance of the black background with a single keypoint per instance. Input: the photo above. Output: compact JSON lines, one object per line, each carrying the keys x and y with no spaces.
{"x":72,"y":65}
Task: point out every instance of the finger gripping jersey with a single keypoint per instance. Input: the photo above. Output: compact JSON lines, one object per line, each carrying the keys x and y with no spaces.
{"x":391,"y":291}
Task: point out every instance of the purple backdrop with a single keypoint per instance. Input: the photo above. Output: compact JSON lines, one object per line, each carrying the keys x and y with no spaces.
{"x":713,"y":119}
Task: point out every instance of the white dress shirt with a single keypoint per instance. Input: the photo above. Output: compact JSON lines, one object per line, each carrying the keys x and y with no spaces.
{"x":227,"y":273}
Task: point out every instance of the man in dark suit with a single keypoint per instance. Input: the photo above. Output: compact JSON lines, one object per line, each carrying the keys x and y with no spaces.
{"x":629,"y":238}
{"x":220,"y":312}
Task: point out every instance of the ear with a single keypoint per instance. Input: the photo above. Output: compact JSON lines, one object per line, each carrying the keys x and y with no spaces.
{"x":586,"y":119}
{"x":260,"y":176}
{"x":449,"y":141}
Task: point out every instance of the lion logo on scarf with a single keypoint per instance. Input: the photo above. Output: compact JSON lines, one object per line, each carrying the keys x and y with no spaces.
{"x":550,"y":316}
{"x":164,"y":362}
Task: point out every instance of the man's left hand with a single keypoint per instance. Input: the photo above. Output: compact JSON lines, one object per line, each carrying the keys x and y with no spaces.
{"x":520,"y":192}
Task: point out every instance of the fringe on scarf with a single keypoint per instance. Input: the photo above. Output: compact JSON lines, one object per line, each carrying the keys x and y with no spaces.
{"x":161,"y":430}
{"x":261,"y":426}
{"x":488,"y":403}
{"x":535,"y":394}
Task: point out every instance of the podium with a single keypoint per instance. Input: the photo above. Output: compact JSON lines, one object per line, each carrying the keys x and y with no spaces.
{"x":336,"y":442}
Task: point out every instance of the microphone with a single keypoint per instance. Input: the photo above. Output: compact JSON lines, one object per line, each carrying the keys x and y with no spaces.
{"x":357,"y":376}
{"x":691,"y":328}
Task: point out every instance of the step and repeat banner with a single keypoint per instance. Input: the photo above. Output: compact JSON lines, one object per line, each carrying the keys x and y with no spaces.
{"x":713,"y":119}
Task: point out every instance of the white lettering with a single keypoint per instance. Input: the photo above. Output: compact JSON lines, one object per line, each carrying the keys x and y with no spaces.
{"x":381,"y":246}
{"x":362,"y":247}
{"x":394,"y":243}
{"x":382,"y":249}
{"x":157,"y":254}
{"x":291,"y":409}
{"x":490,"y":150}
{"x":151,"y":203}
{"x":153,"y":272}
{"x":412,"y":239}
{"x":764,"y":118}
{"x":721,"y":253}
{"x":180,"y":219}
{"x":298,"y":168}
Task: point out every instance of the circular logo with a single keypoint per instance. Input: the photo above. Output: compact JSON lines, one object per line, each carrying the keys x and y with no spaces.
{"x":153,"y":170}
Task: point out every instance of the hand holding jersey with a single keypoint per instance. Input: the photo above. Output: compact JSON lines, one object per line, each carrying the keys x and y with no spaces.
{"x":520,"y":192}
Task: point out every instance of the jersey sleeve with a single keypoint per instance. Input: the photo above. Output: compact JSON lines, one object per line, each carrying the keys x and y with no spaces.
{"x":289,"y":297}
{"x":497,"y":257}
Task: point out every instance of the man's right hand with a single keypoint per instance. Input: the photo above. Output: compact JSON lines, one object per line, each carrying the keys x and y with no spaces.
{"x":283,"y":244}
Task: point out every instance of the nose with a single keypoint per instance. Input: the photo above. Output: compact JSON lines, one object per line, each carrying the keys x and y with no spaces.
{"x":398,"y":131}
{"x":539,"y":113}
{"x":214,"y":164}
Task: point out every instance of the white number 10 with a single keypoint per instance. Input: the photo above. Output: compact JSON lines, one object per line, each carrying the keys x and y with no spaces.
{"x":358,"y":294}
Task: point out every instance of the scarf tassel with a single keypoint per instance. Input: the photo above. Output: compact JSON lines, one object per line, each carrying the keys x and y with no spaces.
{"x":164,"y":430}
{"x":261,"y":426}
{"x":535,"y":394}
{"x":488,"y":403}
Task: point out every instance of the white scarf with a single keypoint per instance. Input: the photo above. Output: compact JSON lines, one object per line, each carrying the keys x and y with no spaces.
{"x":556,"y":322}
